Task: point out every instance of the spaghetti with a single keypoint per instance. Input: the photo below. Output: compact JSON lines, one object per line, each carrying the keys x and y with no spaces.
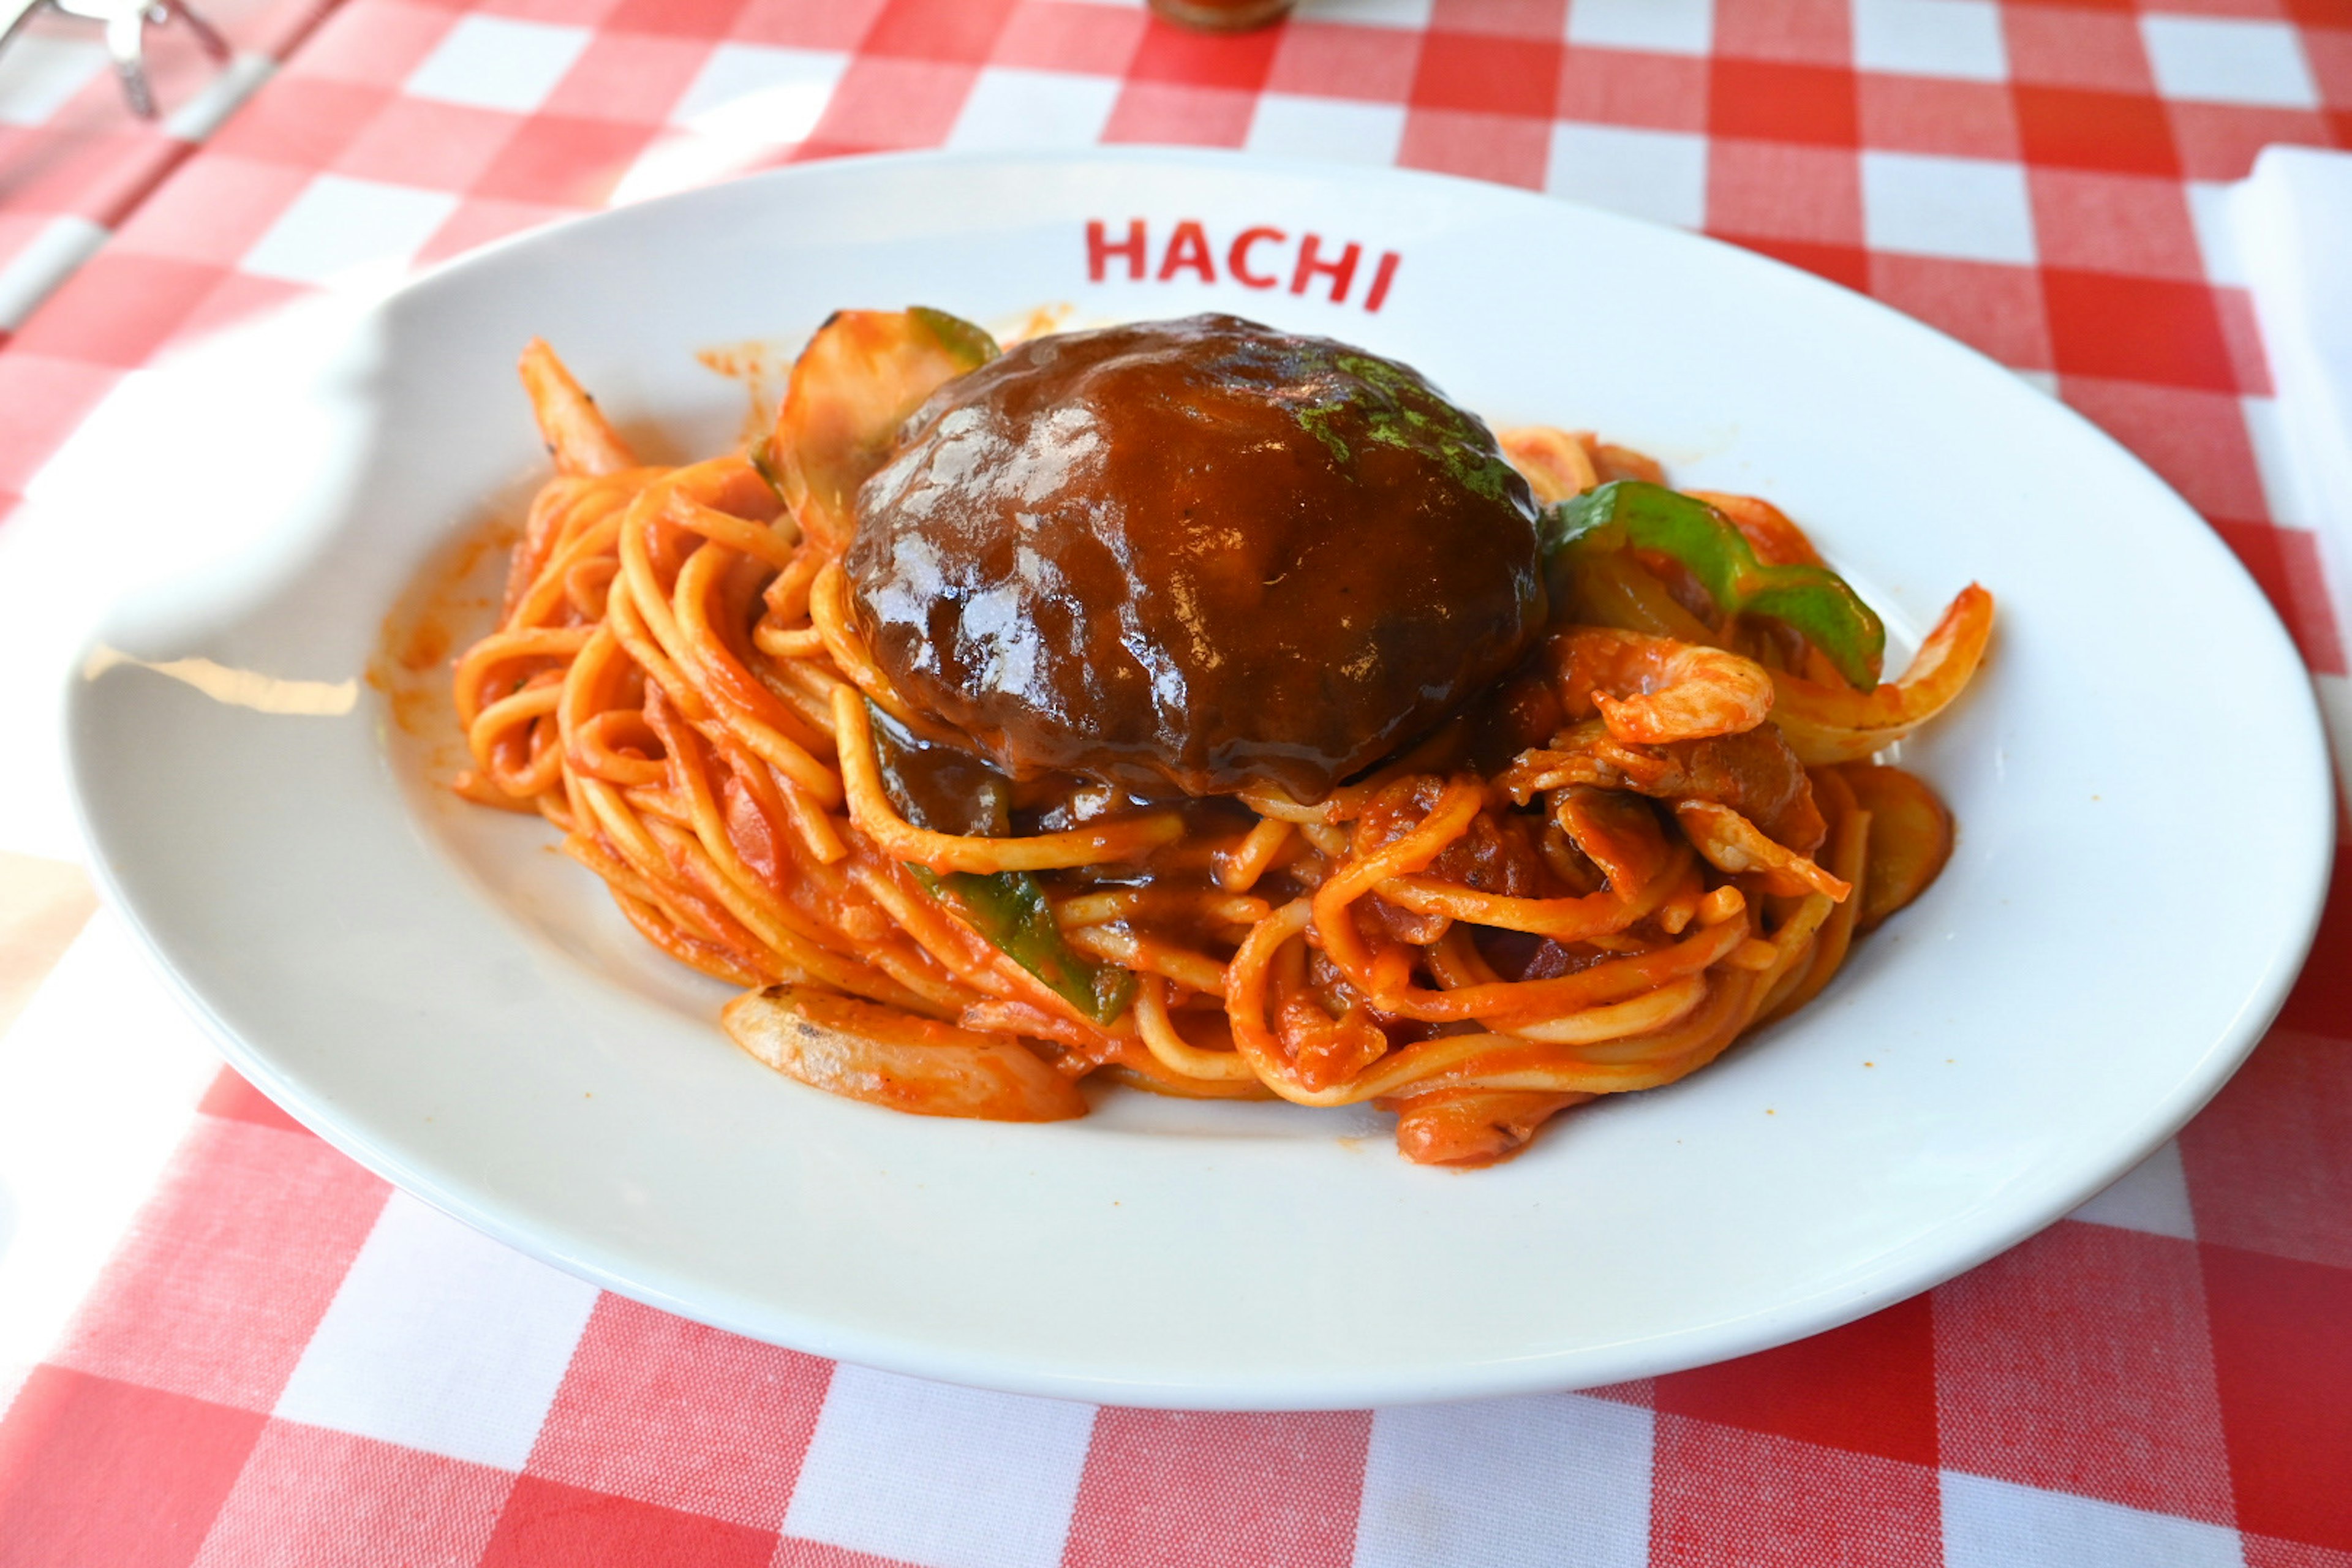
{"x":1660,"y":830}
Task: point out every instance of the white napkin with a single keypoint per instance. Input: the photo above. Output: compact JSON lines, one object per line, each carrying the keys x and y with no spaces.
{"x":2293,"y":222}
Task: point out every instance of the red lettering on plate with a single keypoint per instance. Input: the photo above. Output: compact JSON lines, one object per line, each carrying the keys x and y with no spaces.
{"x":1237,"y":258}
{"x":1341,"y":272}
{"x":1188,"y":251}
{"x":1099,"y":249}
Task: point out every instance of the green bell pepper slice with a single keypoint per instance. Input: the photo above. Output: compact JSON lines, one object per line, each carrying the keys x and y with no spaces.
{"x":1010,"y":911}
{"x":1814,"y":600}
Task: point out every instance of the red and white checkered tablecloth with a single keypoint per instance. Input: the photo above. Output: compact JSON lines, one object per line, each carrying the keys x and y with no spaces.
{"x":74,"y":161}
{"x":287,"y":1362}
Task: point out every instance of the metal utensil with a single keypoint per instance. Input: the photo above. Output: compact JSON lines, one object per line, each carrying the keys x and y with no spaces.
{"x":126,"y":23}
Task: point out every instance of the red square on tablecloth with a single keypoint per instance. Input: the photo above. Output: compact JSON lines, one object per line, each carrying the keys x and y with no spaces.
{"x":2271,"y":1551}
{"x":1987,"y":305}
{"x":2320,"y":1003}
{"x":1869,"y":1386}
{"x":2284,"y":563}
{"x":2266,"y":1161}
{"x":1777,"y":190}
{"x":1847,"y":265}
{"x":2067,"y":45}
{"x":2196,"y":441}
{"x":378,"y":43}
{"x":96,"y":1471}
{"x":2219,"y":140}
{"x":94,"y":174}
{"x":1617,"y":87}
{"x":2137,"y":328}
{"x":1722,"y":1498}
{"x":679,"y":1416}
{"x":1179,"y":55}
{"x":1473,"y":73}
{"x":960,"y":30}
{"x":236,"y":301}
{"x":1328,"y":60}
{"x":2328,"y":51}
{"x":1931,"y":114}
{"x":682,"y":18}
{"x":230,"y":1266}
{"x":1772,"y":101}
{"x":2078,"y":128}
{"x":2079,"y":1362}
{"x":1809,"y":32}
{"x":570,"y":13}
{"x":1188,"y":116}
{"x":2101,"y":222}
{"x":305,"y":121}
{"x":1094,"y":39}
{"x":636,"y":78}
{"x":557,"y":161}
{"x":230,"y":1097}
{"x":47,"y":398}
{"x":308,"y":1497}
{"x":1542,"y":21}
{"x":1158,"y":1488}
{"x":117,"y":310}
{"x":884,"y":103}
{"x":433,"y":145}
{"x":212,"y":210}
{"x":796,"y":24}
{"x":1509,"y":149}
{"x":546,"y":1522}
{"x":2284,"y":1363}
{"x":478,"y":221}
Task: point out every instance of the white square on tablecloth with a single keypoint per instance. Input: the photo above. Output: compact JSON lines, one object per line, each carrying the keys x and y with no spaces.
{"x":28,"y":278}
{"x":1998,"y":1524}
{"x":2286,"y":492}
{"x":38,"y":73}
{"x":2217,"y":234}
{"x":442,"y":1338}
{"x":752,"y":92}
{"x":974,"y":1480}
{"x":1507,"y":1483}
{"x":98,"y":1078}
{"x":1414,"y":13}
{"x":1288,"y":125}
{"x":1657,"y":26}
{"x":1930,"y":37}
{"x":1972,"y":209}
{"x":337,"y":227}
{"x":1016,"y":110}
{"x":2223,"y":60}
{"x":2152,"y":1197}
{"x":1656,"y":175}
{"x":490,"y":62}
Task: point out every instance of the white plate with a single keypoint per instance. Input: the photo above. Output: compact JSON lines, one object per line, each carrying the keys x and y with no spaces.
{"x":464,"y":1012}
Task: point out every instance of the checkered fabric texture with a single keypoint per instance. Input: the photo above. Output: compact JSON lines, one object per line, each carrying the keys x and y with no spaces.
{"x":287,"y":1362}
{"x":74,"y":164}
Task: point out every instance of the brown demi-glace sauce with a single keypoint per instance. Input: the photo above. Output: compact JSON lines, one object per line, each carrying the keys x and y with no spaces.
{"x":1185,"y":556}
